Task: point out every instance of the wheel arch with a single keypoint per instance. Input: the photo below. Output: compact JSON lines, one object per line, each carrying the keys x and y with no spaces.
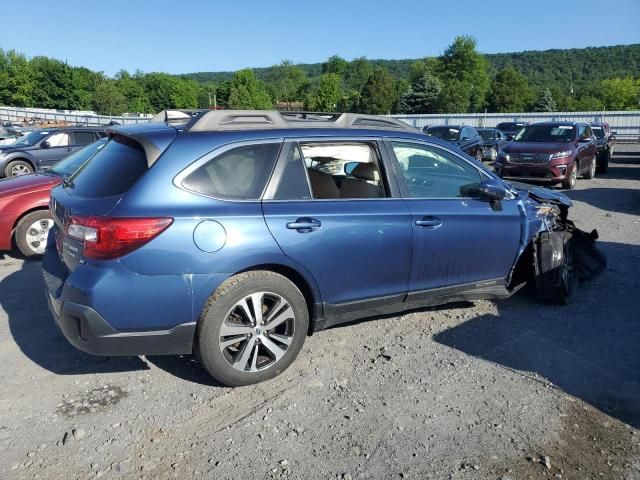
{"x":311,"y":296}
{"x":20,"y":157}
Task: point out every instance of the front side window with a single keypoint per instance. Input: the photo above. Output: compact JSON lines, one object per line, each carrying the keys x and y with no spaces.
{"x":431,"y":172}
{"x":58,"y":140}
{"x":237,"y":174}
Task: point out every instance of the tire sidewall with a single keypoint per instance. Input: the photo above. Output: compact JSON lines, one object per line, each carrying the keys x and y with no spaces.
{"x":215,"y":312}
{"x":21,"y":229}
{"x":12,"y":163}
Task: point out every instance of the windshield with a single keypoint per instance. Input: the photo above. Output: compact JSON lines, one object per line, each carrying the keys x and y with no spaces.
{"x":449,"y":134}
{"x":30,"y":139}
{"x":510,"y":126}
{"x":598,"y":132}
{"x":69,"y":165}
{"x":546,"y":133}
{"x":487,"y":134}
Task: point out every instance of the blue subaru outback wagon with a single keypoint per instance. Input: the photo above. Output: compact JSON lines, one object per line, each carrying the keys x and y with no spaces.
{"x":235,"y":234}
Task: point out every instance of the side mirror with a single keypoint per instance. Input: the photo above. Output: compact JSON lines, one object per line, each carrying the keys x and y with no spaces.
{"x":349,"y":167}
{"x":45,"y":144}
{"x":492,"y":190}
{"x":510,"y":137}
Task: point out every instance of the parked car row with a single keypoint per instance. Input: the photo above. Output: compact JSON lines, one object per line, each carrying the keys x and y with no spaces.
{"x":544,"y":152}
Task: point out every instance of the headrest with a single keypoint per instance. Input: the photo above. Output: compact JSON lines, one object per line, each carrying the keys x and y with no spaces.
{"x":365,"y":171}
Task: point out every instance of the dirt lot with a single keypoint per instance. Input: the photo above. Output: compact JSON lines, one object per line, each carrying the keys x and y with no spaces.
{"x":507,"y":390}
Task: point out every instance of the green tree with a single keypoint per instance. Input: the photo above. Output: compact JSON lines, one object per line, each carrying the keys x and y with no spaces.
{"x":545,"y":102}
{"x":509,"y":91}
{"x":133,"y":90}
{"x":423,"y":66}
{"x":423,"y":95}
{"x":335,"y":64}
{"x":454,"y":97}
{"x":53,"y":83}
{"x":379,"y":93}
{"x":325,"y":94}
{"x":621,"y":93}
{"x":17,"y":84}
{"x":288,"y":82}
{"x":108,"y":100}
{"x":467,"y":71}
{"x":247,"y":93}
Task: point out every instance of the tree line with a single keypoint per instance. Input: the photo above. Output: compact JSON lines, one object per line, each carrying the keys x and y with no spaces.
{"x":460,"y":80}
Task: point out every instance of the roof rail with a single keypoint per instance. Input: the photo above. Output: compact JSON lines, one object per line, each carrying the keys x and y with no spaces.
{"x":226,"y":120}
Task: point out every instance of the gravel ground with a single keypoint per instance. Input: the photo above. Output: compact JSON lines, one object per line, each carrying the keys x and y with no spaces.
{"x":486,"y":390}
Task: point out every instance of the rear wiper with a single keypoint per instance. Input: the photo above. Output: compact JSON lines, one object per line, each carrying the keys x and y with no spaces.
{"x":67,"y":181}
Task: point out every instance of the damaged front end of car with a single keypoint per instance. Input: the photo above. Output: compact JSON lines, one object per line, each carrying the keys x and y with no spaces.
{"x":556,"y":254}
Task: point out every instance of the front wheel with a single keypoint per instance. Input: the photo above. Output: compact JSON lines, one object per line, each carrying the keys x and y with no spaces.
{"x":570,"y":183}
{"x":31,"y":233}
{"x":17,"y":167}
{"x":591,"y":173}
{"x":252,"y":328}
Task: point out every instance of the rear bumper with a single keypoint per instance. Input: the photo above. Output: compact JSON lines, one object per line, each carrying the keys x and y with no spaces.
{"x":88,"y":331}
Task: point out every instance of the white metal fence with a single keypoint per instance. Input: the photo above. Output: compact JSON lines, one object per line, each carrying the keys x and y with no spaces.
{"x":19,"y":115}
{"x":626,"y":124}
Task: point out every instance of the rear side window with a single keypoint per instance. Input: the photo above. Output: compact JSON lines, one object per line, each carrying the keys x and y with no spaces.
{"x":83,"y":138}
{"x":293,"y":183}
{"x":237,"y":174}
{"x":112,"y":171}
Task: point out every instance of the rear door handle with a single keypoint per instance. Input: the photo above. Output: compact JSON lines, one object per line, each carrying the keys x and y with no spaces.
{"x":304,"y":225}
{"x":69,"y":149}
{"x":429,"y":222}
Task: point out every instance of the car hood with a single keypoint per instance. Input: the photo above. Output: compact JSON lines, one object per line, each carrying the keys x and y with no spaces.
{"x":27,"y":183}
{"x":536,"y":147}
{"x":542,"y":194}
{"x":12,"y":148}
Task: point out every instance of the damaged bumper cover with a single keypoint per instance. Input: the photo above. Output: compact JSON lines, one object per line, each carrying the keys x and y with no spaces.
{"x":563,"y":255}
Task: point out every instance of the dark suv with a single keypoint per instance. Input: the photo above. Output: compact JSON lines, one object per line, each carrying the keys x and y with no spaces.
{"x":225,"y":234}
{"x":41,"y":149}
{"x":549,"y":152}
{"x":463,"y":136}
{"x":606,"y":140}
{"x":511,"y":129}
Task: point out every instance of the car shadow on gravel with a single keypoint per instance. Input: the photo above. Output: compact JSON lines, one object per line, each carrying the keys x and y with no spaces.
{"x":589,"y":349}
{"x":34,"y":331}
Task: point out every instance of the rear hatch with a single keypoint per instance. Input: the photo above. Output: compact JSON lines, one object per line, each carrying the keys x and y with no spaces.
{"x":97,"y":187}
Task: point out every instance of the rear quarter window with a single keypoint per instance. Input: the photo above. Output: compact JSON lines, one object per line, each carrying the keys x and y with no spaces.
{"x":112,"y":171}
{"x":237,"y":174}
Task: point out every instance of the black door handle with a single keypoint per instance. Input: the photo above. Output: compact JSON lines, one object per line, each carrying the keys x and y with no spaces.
{"x":429,"y":222}
{"x":69,"y":149}
{"x":304,"y":225}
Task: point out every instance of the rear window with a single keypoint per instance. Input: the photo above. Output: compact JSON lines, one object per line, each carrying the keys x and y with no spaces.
{"x":112,"y":171}
{"x":237,"y":174}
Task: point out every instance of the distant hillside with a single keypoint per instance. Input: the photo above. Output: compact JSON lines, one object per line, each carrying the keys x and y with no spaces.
{"x":582,"y":66}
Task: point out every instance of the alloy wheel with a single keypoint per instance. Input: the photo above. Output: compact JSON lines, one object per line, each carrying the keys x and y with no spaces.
{"x":592,"y":168}
{"x":574,"y":176}
{"x":17,"y":170}
{"x":36,"y":235}
{"x":257,"y":332}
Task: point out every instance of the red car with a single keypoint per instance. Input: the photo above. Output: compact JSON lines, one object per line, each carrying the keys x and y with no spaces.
{"x":24,"y":203}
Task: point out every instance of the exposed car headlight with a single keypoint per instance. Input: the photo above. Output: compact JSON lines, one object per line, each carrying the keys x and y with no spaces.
{"x":564,"y":153}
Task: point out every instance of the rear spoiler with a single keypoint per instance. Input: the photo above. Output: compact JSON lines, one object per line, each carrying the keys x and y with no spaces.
{"x":154,"y":139}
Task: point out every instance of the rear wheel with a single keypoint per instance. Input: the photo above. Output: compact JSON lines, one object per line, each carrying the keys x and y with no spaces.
{"x":31,"y":233}
{"x":252,"y":328}
{"x":570,"y":183}
{"x":591,"y":172}
{"x":17,"y":167}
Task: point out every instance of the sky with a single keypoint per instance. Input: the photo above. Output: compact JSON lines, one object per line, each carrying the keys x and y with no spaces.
{"x":183,"y":36}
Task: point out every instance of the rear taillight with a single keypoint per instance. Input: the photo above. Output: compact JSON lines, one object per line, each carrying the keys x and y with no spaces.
{"x":112,"y":237}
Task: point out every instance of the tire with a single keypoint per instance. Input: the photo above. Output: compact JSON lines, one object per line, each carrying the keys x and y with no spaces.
{"x":31,"y":233}
{"x":569,"y":275}
{"x":17,"y":167}
{"x":231,"y":307}
{"x":591,"y":172}
{"x":603,"y":165}
{"x":570,"y":183}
